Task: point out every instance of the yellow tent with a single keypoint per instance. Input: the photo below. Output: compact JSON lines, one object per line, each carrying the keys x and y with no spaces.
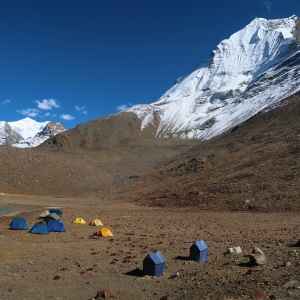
{"x":79,"y":221}
{"x":96,"y":223}
{"x":105,"y":232}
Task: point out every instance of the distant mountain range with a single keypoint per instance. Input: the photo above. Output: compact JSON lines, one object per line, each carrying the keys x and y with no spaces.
{"x":27,"y":133}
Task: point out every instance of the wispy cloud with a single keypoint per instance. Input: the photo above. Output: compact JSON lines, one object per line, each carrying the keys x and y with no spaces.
{"x":124,"y":106}
{"x":6,"y":101}
{"x":29,"y":112}
{"x":47,"y":104}
{"x":268,"y":5}
{"x":66,"y":117}
{"x":81,"y":109}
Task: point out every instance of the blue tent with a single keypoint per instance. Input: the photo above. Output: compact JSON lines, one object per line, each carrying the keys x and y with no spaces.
{"x":153,"y":264}
{"x":56,"y":211}
{"x":19,"y":224}
{"x":39,"y":228}
{"x":54,"y":225}
{"x":199,"y":251}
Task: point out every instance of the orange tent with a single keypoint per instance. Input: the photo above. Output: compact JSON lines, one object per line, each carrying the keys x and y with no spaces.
{"x":105,"y":232}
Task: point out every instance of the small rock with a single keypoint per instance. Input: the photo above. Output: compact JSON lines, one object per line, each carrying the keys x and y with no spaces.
{"x":234,"y":250}
{"x":237,"y":249}
{"x":106,"y":294}
{"x":166,"y":298}
{"x":258,"y":257}
{"x":287,"y":263}
{"x":257,"y":250}
{"x":258,"y":295}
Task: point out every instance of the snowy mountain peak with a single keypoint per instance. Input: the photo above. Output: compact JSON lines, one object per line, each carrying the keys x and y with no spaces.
{"x":28,"y":127}
{"x":251,"y":70}
{"x":27,"y":132}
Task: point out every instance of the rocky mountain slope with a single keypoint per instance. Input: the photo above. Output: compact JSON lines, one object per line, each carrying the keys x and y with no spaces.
{"x":255,"y":165}
{"x":27,"y":133}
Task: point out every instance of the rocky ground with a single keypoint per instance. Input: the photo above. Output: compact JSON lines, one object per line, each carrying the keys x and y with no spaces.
{"x":76,"y":265}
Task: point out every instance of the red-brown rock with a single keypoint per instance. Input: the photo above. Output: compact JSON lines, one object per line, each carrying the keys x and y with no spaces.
{"x":106,"y":294}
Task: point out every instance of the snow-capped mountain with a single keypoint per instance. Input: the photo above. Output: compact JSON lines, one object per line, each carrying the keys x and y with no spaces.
{"x":252,"y":70}
{"x":7,"y":134}
{"x":27,"y":133}
{"x":28,"y":127}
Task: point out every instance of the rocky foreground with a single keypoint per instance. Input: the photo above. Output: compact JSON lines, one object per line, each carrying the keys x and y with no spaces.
{"x":76,"y":264}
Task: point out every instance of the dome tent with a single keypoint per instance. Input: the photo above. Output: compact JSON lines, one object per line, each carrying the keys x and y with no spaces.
{"x":19,"y":224}
{"x":39,"y":228}
{"x":44,"y":214}
{"x":56,"y":211}
{"x":105,"y":232}
{"x":79,"y":221}
{"x":55,"y":225}
{"x":96,"y":222}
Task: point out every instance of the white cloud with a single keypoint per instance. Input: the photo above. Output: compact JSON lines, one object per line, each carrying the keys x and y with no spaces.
{"x":6,"y":101}
{"x":78,"y":108}
{"x":81,"y":109}
{"x":29,"y":112}
{"x":47,"y":104}
{"x":124,"y":106}
{"x":66,"y":117}
{"x":268,"y":5}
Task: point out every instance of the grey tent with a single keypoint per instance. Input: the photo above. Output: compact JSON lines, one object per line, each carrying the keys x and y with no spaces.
{"x":44,"y":214}
{"x":53,"y":216}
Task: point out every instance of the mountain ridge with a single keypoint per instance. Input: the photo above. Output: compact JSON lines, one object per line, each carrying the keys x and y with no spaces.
{"x":27,"y":133}
{"x":206,"y":102}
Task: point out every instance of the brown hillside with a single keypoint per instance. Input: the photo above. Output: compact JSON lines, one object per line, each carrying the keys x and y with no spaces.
{"x":254,"y":166}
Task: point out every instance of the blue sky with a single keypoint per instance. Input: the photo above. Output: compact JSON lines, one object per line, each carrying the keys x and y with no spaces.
{"x":74,"y":61}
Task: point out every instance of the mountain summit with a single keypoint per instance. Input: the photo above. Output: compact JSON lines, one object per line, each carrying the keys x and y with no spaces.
{"x":27,"y":133}
{"x":251,"y":71}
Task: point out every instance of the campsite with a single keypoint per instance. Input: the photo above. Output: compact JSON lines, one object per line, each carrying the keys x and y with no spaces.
{"x":76,"y":264}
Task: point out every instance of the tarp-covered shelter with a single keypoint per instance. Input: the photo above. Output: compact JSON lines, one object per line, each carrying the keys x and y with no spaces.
{"x":57,"y":226}
{"x":56,"y":211}
{"x":153,"y":264}
{"x":19,"y":224}
{"x":96,"y":223}
{"x":105,"y":232}
{"x":39,"y":228}
{"x":79,"y":221}
{"x":44,"y":214}
{"x":199,"y":251}
{"x":53,"y":216}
